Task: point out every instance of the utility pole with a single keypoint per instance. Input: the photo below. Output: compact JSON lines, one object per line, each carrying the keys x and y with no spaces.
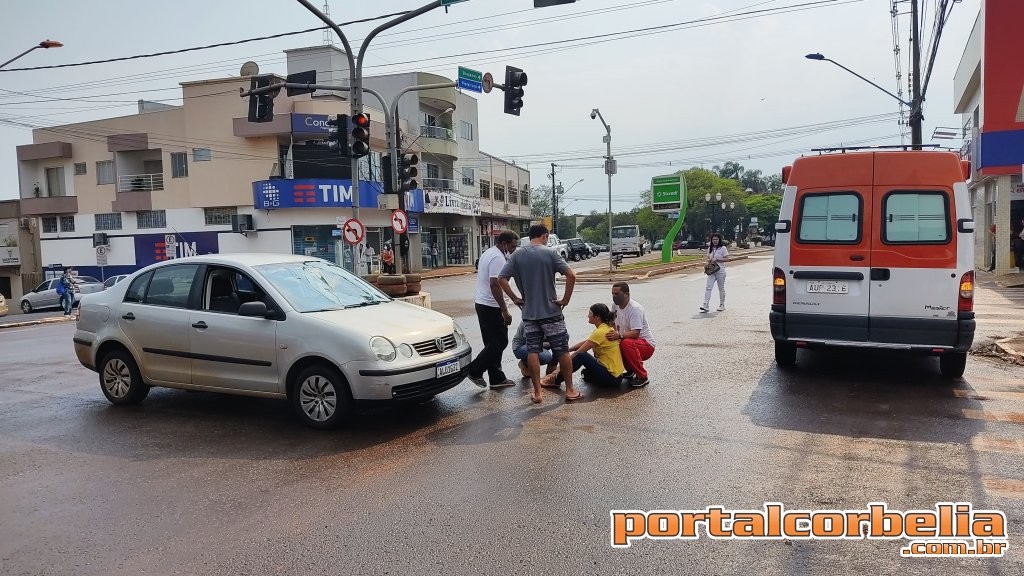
{"x":554,"y":202}
{"x":916,"y":112}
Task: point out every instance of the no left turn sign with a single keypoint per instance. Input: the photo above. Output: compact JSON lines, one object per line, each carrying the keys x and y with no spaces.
{"x":352,"y":231}
{"x":399,"y":221}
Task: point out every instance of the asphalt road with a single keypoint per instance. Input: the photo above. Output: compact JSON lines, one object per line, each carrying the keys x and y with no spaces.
{"x":481,"y":482}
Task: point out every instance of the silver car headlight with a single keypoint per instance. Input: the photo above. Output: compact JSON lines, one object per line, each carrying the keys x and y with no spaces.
{"x":460,"y":336}
{"x":383,"y":348}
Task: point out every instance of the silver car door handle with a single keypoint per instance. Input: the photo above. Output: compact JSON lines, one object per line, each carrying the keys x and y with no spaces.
{"x":129,"y":316}
{"x":201,"y":325}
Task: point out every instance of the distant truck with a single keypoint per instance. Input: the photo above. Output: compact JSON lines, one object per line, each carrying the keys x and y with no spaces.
{"x":627,"y":240}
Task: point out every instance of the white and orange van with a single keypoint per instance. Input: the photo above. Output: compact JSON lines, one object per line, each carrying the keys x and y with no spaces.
{"x":875,"y":250}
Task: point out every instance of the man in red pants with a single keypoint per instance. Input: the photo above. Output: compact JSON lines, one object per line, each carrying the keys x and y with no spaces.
{"x":635,"y":339}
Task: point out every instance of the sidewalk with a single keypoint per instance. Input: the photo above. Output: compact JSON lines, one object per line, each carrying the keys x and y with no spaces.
{"x":660,"y":269}
{"x":448,"y":271}
{"x":999,"y":306}
{"x":21,"y":320}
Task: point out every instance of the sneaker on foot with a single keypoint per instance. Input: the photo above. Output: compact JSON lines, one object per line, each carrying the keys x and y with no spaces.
{"x":478,"y":380}
{"x":503,"y":384}
{"x":704,"y":308}
{"x":639,"y":382}
{"x":721,"y":308}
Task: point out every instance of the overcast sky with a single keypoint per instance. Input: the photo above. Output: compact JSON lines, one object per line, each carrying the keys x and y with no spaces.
{"x":734,"y":85}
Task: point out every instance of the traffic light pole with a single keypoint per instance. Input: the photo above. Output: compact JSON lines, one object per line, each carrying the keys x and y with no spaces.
{"x":554,"y":202}
{"x":393,"y":150}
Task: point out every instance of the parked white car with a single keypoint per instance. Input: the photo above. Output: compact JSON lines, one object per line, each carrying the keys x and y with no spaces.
{"x":114,"y":280}
{"x":271,"y":325}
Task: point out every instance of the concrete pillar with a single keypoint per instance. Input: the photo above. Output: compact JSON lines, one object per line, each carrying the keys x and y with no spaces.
{"x":1003,"y":227}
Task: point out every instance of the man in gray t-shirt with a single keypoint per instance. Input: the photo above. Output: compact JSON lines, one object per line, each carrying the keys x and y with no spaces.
{"x":534,"y":268}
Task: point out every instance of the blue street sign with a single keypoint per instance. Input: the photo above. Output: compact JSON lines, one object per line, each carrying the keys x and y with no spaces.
{"x":472,"y":86}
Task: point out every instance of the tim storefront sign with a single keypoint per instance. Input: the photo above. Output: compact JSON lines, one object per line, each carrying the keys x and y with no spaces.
{"x":950,"y":529}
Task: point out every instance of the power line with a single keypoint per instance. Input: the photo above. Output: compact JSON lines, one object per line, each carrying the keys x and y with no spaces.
{"x":195,"y":48}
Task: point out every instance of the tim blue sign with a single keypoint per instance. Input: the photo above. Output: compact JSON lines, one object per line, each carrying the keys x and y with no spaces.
{"x":309,"y":123}
{"x":316,"y":193}
{"x":153,"y":248}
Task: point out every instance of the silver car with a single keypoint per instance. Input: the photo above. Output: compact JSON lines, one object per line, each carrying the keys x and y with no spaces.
{"x":270,"y":325}
{"x":45,"y":295}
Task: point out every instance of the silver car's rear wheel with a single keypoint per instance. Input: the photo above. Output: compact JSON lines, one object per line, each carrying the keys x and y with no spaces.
{"x":26,"y":306}
{"x":321,"y":397}
{"x":120,"y":379}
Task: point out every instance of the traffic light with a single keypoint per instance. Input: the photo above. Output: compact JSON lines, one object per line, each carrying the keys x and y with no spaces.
{"x":337,"y":134}
{"x":359,"y":145}
{"x":261,"y":106}
{"x":407,"y":171}
{"x":515,"y":79}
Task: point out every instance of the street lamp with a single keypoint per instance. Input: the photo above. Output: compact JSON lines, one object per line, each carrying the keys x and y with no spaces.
{"x":43,"y":44}
{"x":707,"y":202}
{"x":916,"y":115}
{"x":554,"y":205}
{"x":609,"y":169}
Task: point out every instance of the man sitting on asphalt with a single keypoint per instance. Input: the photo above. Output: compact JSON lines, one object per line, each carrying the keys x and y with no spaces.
{"x":635,"y":338}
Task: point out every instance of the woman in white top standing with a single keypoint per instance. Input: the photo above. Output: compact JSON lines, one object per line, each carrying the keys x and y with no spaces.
{"x":717,"y":254}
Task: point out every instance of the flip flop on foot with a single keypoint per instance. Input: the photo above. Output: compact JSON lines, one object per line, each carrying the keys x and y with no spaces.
{"x":578,"y":396}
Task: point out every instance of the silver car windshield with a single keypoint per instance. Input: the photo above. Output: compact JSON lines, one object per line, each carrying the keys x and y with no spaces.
{"x":316,"y":286}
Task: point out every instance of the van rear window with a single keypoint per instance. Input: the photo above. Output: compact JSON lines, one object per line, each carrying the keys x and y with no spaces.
{"x":914,"y":217}
{"x":830,"y":218}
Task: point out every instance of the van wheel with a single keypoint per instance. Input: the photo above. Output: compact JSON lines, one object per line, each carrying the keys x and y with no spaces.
{"x":120,"y":379}
{"x":321,"y":397}
{"x":952,"y":364}
{"x":576,"y":257}
{"x":785,"y":354}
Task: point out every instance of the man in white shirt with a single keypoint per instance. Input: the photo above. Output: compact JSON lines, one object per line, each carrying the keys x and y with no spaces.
{"x":492,"y":313}
{"x":636,"y":342}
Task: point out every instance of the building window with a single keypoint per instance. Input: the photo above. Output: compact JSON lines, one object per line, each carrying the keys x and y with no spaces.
{"x":525,"y":196}
{"x":218,"y":216}
{"x":468,"y":176}
{"x":111,"y":221}
{"x":499,"y":193}
{"x":830,"y":218}
{"x":79,"y":168}
{"x":105,"y":172}
{"x":55,"y":181}
{"x":465,"y":130}
{"x":485,"y":189}
{"x":201,"y":155}
{"x":67,"y":223}
{"x":179,"y":165}
{"x":49,"y":224}
{"x":151,"y":219}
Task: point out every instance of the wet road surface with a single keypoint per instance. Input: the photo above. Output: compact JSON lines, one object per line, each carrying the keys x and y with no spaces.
{"x":484,"y":482}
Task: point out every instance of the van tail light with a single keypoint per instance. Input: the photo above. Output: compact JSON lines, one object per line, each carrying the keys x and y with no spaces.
{"x":778,"y":287}
{"x":966,"y":301}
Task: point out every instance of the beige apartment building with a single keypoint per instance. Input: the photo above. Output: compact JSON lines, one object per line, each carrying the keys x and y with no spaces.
{"x":169,"y":181}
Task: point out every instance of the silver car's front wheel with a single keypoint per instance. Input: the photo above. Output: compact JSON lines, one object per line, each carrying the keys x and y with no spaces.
{"x":120,"y":379}
{"x":321,"y":397}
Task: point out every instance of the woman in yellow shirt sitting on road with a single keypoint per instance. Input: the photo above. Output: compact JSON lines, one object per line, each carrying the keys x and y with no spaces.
{"x":605,"y":366}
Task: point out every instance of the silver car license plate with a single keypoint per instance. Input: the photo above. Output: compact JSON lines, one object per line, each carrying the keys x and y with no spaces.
{"x":448,"y":368}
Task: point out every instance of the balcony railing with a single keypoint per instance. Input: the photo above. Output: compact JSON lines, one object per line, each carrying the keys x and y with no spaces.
{"x":140,"y":182}
{"x":438,"y":132}
{"x":439,"y":184}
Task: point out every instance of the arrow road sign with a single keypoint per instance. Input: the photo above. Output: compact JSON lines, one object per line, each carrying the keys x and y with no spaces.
{"x":353,"y":231}
{"x":399,"y":221}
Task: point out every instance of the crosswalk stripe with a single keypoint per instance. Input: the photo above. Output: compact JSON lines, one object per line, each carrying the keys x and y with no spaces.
{"x":1005,"y":487}
{"x":994,"y":415}
{"x":988,"y":395}
{"x":982,"y":443}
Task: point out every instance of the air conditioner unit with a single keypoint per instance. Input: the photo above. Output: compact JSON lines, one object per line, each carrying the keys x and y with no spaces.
{"x":100,"y":239}
{"x":242,"y":224}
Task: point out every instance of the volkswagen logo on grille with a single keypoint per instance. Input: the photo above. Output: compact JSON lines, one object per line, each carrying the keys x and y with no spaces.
{"x":439,"y":342}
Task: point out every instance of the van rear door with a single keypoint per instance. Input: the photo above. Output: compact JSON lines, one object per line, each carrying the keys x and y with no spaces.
{"x":914,"y":277}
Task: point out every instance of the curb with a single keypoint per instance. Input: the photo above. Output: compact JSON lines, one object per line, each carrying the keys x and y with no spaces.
{"x":57,"y":320}
{"x":667,"y":270}
{"x":1007,"y":349}
{"x":447,"y":275}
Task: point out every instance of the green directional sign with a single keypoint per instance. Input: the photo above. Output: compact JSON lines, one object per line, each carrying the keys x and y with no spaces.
{"x":472,"y":75}
{"x":667,"y":193}
{"x":450,"y":2}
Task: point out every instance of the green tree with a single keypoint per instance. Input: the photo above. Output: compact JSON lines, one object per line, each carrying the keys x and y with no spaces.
{"x":766,"y":208}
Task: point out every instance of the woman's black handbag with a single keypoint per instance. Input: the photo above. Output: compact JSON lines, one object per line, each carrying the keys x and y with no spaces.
{"x":711,"y":267}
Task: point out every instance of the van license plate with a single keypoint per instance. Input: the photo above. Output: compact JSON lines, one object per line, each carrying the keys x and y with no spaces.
{"x":448,"y":368}
{"x":827,"y":287}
